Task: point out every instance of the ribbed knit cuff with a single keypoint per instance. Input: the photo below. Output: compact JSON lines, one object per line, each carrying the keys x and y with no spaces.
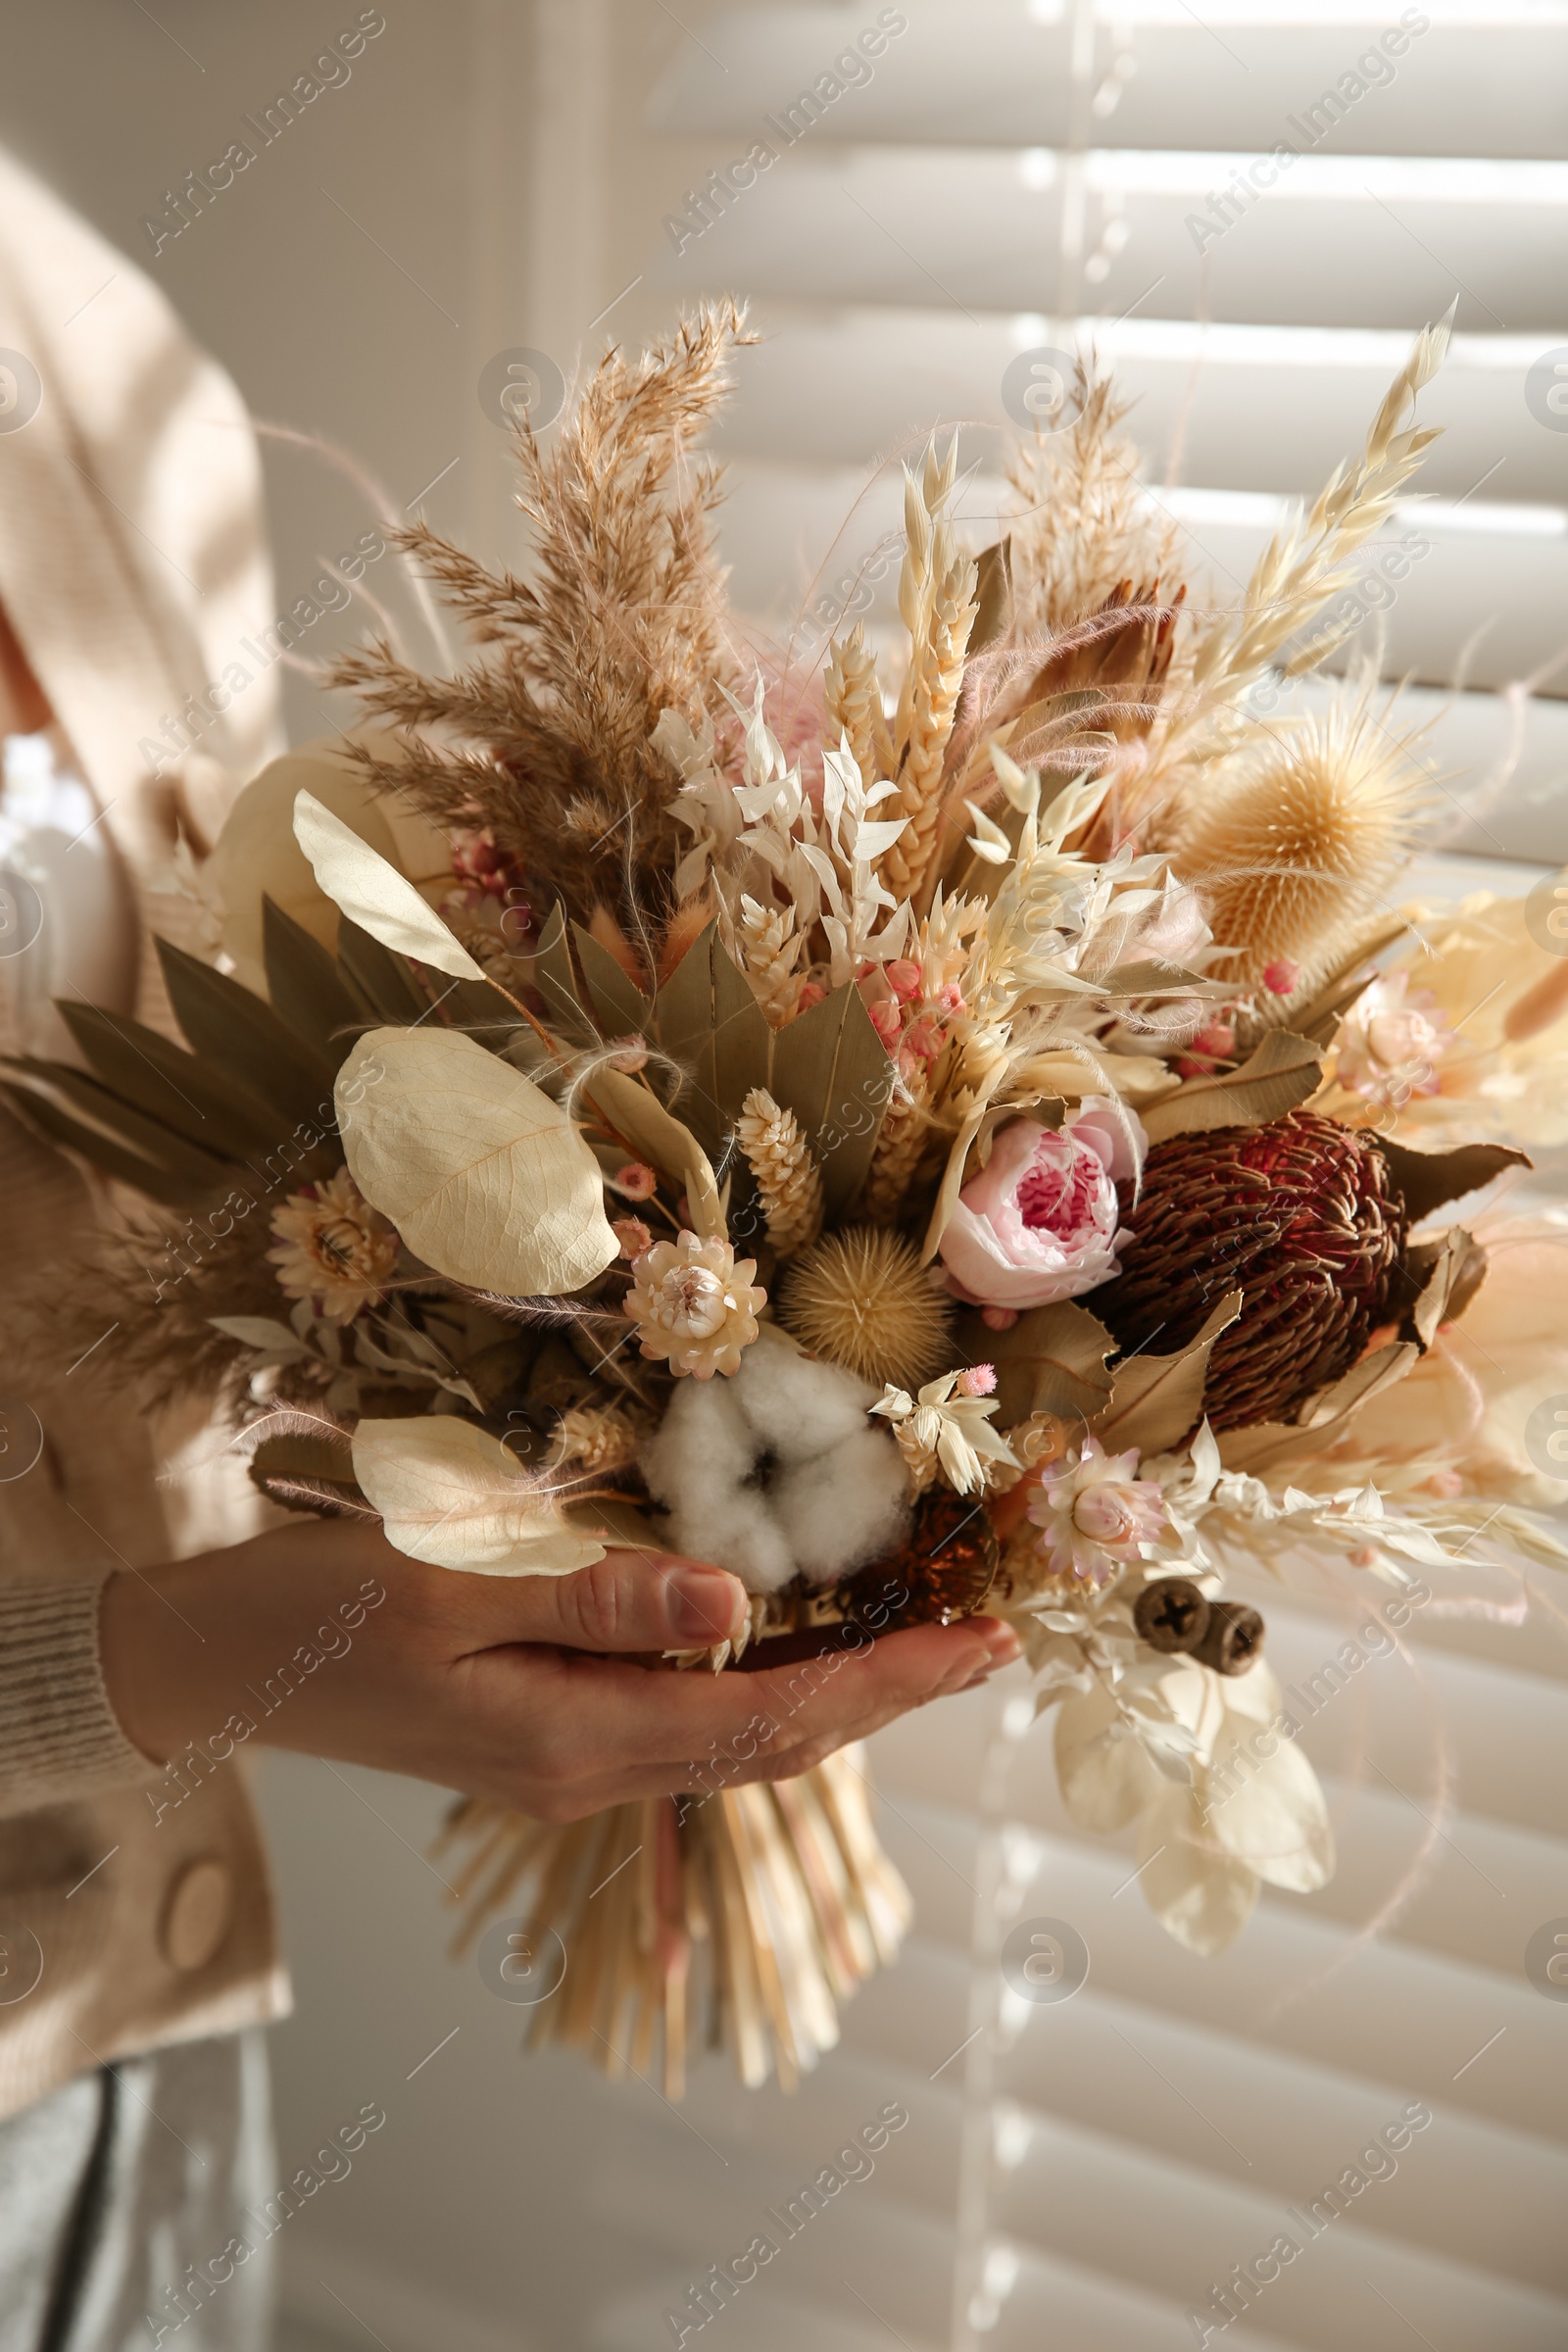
{"x":60,"y":1737}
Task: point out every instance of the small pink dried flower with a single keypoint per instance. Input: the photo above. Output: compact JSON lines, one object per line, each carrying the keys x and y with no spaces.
{"x":636,"y":1181}
{"x":998,"y":1319}
{"x":632,"y":1234}
{"x":1281,"y":977}
{"x":979,"y":1381}
{"x":904,"y":977}
{"x":886,"y":1021}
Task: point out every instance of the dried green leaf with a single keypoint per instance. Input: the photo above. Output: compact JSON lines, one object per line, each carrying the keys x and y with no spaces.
{"x":557,"y":982}
{"x":832,"y":1070}
{"x":225,"y":1023}
{"x":1158,"y":1400}
{"x":170,"y":1087}
{"x":1052,"y":1361}
{"x":383,"y":979}
{"x":38,"y":1111}
{"x":1282,"y":1072}
{"x":198,"y":1171}
{"x":1429,"y":1180}
{"x":307,"y":989}
{"x":619,"y":1006}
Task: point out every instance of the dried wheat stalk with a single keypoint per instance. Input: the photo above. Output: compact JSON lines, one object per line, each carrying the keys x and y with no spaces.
{"x":938,"y":674}
{"x":788,"y":1180}
{"x":853,"y":695}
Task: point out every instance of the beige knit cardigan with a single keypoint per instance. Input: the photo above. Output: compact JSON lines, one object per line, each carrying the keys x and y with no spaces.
{"x":131,"y":563}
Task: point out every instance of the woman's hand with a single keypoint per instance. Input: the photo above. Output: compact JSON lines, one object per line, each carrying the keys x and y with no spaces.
{"x":321,"y":1637}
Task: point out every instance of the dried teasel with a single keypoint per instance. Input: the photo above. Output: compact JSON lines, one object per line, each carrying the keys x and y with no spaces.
{"x":861,"y":1298}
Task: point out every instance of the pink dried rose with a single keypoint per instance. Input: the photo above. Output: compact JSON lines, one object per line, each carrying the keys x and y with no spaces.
{"x":1041,"y":1221}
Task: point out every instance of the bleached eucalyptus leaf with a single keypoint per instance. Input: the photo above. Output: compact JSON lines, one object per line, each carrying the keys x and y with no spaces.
{"x":1201,"y":1895}
{"x":368,"y":889}
{"x":487,"y":1178}
{"x":452,"y":1495}
{"x":1106,"y":1782}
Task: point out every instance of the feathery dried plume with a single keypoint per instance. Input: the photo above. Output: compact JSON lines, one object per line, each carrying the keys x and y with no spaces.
{"x":853,"y":695}
{"x":548,"y":741}
{"x":788,"y":1180}
{"x":861,"y":1298}
{"x":1298,"y":839}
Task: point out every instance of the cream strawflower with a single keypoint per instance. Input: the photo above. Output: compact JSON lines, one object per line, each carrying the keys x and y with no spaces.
{"x":1096,"y":1517}
{"x":941,"y":1431}
{"x":694,"y":1303}
{"x":333,"y":1247}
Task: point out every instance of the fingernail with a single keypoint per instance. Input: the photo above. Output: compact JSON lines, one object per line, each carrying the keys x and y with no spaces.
{"x":703,"y":1605}
{"x":1003,"y":1645}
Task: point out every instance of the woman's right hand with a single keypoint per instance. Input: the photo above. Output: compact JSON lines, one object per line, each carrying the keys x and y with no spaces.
{"x":320,"y":1637}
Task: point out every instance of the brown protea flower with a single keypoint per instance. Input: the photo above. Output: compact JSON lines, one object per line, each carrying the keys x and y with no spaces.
{"x":1303,"y":1216}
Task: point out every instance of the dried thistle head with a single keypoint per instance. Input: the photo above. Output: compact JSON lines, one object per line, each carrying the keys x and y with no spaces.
{"x":1301,"y":832}
{"x":861,"y":1298}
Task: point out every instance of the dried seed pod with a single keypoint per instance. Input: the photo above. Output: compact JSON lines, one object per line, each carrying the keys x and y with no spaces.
{"x":944,"y":1571}
{"x":1233,"y":1641}
{"x":1173,"y":1614}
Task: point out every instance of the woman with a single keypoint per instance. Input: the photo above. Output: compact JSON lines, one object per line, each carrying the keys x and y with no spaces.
{"x":138,"y":1957}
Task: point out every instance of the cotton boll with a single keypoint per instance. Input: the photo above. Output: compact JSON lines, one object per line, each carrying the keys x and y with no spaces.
{"x":845,"y":1507}
{"x":799,"y":1407}
{"x":777,"y":1471}
{"x":697,"y":1464}
{"x":735,"y":1528}
{"x":704,"y":1437}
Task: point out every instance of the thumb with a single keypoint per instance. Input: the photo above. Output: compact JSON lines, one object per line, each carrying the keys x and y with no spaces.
{"x":629,"y":1600}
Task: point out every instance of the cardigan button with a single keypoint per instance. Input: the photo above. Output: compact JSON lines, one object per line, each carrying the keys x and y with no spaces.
{"x":196,"y":1918}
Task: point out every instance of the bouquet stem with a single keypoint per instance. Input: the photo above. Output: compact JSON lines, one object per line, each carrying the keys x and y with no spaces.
{"x":738,"y":1919}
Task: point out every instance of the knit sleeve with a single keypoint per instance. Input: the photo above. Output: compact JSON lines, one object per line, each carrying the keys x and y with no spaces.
{"x":60,"y":1738}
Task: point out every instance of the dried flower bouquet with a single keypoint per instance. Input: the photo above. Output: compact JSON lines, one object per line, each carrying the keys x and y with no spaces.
{"x":916,"y":1135}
